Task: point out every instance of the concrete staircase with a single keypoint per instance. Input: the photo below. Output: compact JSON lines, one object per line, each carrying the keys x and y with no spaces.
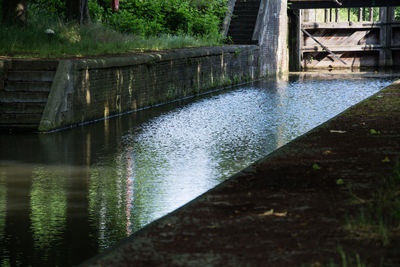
{"x":243,"y":21}
{"x":23,"y":95}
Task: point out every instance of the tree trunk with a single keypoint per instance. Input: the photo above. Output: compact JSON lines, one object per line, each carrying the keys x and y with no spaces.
{"x":77,"y":10}
{"x":14,"y":12}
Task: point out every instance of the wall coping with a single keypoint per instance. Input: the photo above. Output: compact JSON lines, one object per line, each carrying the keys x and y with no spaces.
{"x":154,"y":57}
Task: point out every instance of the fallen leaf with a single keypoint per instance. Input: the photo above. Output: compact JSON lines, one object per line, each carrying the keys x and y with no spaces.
{"x":316,"y":166}
{"x":326,"y":152}
{"x":267,"y":213}
{"x":339,"y":181}
{"x":373,"y":131}
{"x":337,"y":131}
{"x":272,"y":213}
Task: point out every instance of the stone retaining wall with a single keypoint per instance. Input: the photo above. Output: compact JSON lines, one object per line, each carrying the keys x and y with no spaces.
{"x":89,"y":89}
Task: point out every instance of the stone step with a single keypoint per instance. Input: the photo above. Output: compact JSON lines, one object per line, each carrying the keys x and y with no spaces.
{"x":244,"y":2}
{"x":29,"y":76}
{"x":247,"y":21}
{"x":22,"y":108}
{"x":16,"y":86}
{"x":246,"y":8}
{"x":29,"y":65}
{"x":18,"y":119}
{"x":243,"y":21}
{"x":244,"y":41}
{"x":12,"y":127}
{"x":241,"y":35}
{"x":23,"y":97}
{"x":241,"y":28}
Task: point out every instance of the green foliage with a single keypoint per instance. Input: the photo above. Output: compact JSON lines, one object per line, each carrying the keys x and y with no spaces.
{"x":47,"y":8}
{"x":316,"y":166}
{"x":139,"y":25}
{"x":397,"y":13}
{"x":146,"y":18}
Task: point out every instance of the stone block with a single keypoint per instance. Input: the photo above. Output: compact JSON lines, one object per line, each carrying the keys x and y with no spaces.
{"x":3,"y":71}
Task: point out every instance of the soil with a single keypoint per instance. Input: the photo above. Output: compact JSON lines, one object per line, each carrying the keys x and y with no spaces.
{"x":288,"y":209}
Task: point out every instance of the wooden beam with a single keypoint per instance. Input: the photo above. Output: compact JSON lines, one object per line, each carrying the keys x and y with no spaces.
{"x":307,"y":4}
{"x":323,"y":46}
{"x":343,"y":25}
{"x":342,"y":48}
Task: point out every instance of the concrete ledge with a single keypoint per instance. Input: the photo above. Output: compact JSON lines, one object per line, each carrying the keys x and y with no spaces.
{"x":286,"y":209}
{"x":155,"y":57}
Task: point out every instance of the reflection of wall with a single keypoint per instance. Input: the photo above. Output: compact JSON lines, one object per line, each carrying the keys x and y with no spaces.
{"x":3,"y":204}
{"x":107,"y":202}
{"x":119,"y":195}
{"x":282,"y":94}
{"x":48,"y":207}
{"x":85,"y":90}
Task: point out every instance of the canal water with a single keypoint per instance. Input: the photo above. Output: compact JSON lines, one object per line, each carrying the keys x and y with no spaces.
{"x":68,"y":195}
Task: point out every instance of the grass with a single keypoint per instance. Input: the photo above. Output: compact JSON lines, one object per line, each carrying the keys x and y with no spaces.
{"x":378,"y":217}
{"x":377,"y":220}
{"x":348,"y":261}
{"x":72,"y":40}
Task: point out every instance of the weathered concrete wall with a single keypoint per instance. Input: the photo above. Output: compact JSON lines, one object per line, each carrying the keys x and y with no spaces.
{"x":272,"y":30}
{"x":4,"y":65}
{"x":2,"y":75}
{"x":89,"y":89}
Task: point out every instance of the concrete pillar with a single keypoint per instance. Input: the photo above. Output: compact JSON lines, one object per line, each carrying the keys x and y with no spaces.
{"x":294,"y":40}
{"x":385,"y":55}
{"x":273,"y":38}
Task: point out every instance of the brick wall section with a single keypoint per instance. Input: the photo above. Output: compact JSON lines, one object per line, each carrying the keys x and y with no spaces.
{"x":3,"y":71}
{"x":91,"y":89}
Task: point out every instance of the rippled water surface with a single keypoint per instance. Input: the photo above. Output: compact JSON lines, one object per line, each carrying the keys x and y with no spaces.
{"x":66,"y":196}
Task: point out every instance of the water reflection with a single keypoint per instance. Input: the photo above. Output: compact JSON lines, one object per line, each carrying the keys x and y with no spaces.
{"x":3,"y":203}
{"x":48,"y":208}
{"x":66,"y":196}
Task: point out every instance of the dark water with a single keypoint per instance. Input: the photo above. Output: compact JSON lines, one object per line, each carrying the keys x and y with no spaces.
{"x":66,"y":196}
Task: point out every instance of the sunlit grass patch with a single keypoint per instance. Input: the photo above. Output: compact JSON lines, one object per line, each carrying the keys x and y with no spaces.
{"x":71,"y":40}
{"x":378,"y":217}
